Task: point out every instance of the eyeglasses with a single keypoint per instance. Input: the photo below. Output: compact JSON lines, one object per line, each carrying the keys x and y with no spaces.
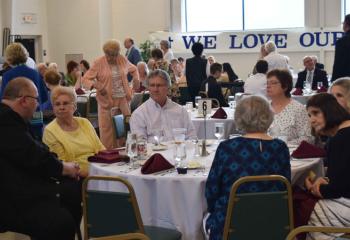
{"x":64,"y":104}
{"x":36,"y":98}
{"x":157,"y":85}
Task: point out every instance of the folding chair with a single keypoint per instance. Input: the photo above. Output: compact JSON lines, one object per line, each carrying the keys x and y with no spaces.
{"x":112,"y":213}
{"x":129,"y":236}
{"x":260,"y":215}
{"x":306,"y":229}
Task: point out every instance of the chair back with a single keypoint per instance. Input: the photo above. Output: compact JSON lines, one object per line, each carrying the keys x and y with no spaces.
{"x":260,"y":215}
{"x":110,"y":213}
{"x":184,"y":95}
{"x":128,"y":236}
{"x":307,"y":229}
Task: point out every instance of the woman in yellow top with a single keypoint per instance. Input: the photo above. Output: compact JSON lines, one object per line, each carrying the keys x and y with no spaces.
{"x":73,"y":139}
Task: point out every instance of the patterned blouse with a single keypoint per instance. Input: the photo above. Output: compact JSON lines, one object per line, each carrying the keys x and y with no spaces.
{"x":293,"y":123}
{"x":236,"y":158}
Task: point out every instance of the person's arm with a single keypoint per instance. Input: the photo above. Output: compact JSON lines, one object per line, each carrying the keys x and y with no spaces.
{"x":92,"y":132}
{"x":138,"y":57}
{"x":191,"y":131}
{"x":300,"y":81}
{"x":213,"y":185}
{"x":132,"y":70}
{"x":324,"y":78}
{"x":90,"y":76}
{"x":339,"y":56}
{"x":50,"y":139}
{"x":138,"y":124}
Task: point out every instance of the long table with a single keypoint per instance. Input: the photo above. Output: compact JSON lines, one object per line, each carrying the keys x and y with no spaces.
{"x":177,"y":201}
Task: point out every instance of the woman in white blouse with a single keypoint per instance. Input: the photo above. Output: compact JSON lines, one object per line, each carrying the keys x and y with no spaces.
{"x":291,"y":119}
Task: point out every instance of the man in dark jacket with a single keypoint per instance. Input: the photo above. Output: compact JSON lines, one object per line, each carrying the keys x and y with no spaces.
{"x":40,"y":195}
{"x":312,"y":74}
{"x":196,"y":70}
{"x":341,"y":66}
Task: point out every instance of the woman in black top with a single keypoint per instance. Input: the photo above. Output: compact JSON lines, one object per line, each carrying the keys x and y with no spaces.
{"x":329,"y":118}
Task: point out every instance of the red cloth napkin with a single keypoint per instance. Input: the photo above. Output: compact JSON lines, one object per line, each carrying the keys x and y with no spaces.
{"x":298,"y":91}
{"x":307,"y":150}
{"x":322,"y":89}
{"x":108,"y":156}
{"x":79,"y":91}
{"x":155,"y":163}
{"x":220,"y":113}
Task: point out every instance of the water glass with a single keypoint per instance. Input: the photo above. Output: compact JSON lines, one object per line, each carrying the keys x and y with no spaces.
{"x":179,"y":135}
{"x":307,"y":87}
{"x":132,"y":149}
{"x":158,"y":135}
{"x":319,"y":85}
{"x":141,"y":149}
{"x":180,"y":155}
{"x":231,"y":102}
{"x":189,"y":106}
{"x":196,"y":99}
{"x":219,"y":130}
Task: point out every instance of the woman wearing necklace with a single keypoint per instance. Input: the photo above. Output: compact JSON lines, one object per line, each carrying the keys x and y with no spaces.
{"x":71,"y":138}
{"x":255,"y":153}
{"x":108,"y":75}
{"x":290,"y":119}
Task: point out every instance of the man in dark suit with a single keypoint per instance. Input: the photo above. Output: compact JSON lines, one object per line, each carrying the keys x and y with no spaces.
{"x":40,"y":195}
{"x":317,"y":64}
{"x":311,"y":74}
{"x":133,"y":54}
{"x":341,"y":66}
{"x":196,"y":70}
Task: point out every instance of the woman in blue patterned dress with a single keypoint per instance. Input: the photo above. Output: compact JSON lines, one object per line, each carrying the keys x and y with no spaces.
{"x":255,"y":153}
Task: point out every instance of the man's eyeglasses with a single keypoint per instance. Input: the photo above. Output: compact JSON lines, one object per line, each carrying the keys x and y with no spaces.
{"x":36,"y":98}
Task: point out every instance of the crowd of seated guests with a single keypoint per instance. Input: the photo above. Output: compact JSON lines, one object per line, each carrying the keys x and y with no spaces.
{"x":73,"y":139}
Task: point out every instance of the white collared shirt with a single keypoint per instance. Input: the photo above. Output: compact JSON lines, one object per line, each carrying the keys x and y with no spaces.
{"x":256,"y":84}
{"x":151,"y":117}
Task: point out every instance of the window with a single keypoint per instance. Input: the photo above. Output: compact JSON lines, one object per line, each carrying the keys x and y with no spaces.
{"x":229,"y":15}
{"x":346,"y":7}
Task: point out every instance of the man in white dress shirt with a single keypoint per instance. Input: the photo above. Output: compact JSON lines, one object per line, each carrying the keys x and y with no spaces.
{"x":168,"y":53}
{"x":274,"y":59}
{"x":159,"y":114}
{"x":256,"y":84}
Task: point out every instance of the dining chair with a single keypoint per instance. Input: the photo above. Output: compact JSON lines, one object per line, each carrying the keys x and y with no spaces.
{"x":128,"y":236}
{"x":120,"y":122}
{"x":324,"y":229}
{"x":110,"y":212}
{"x":184,"y":95}
{"x":259,"y":215}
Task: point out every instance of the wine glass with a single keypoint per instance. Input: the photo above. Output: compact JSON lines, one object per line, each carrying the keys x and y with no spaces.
{"x":132,"y":149}
{"x":219,"y":131}
{"x":307,"y":87}
{"x":158,"y":135}
{"x":231,"y":102}
{"x":319,"y":85}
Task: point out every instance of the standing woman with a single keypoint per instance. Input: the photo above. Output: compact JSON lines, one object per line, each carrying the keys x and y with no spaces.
{"x":108,"y":74}
{"x":340,"y":89}
{"x":333,"y":209}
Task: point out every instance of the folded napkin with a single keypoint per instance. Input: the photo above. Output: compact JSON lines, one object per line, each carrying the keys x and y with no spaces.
{"x":322,"y":89}
{"x":307,"y":150}
{"x":155,"y":163}
{"x":108,"y":156}
{"x":79,"y":91}
{"x":220,"y":113}
{"x":298,"y":91}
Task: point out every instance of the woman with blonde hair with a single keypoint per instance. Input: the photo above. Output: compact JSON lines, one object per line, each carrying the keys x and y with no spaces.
{"x":71,"y":138}
{"x":340,"y":89}
{"x":108,"y":75}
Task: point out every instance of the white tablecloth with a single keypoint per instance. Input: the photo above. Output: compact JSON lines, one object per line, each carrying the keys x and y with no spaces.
{"x":302,"y":98}
{"x":198,"y":122}
{"x":177,"y":201}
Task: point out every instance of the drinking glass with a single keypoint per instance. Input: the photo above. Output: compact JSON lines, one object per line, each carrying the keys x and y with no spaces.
{"x":307,"y":87}
{"x":132,"y":149}
{"x":196,"y":99}
{"x":141,"y":148}
{"x":180,"y":154}
{"x":319,"y":85}
{"x":179,"y":135}
{"x":231,"y":102}
{"x":158,"y":135}
{"x":219,"y":131}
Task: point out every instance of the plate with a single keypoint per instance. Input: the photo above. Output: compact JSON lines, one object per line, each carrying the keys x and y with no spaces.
{"x":208,"y":142}
{"x":194,"y":165}
{"x":160,"y":147}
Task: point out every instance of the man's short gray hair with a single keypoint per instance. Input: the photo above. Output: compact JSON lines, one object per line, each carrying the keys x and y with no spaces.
{"x":159,"y":73}
{"x":165,"y":43}
{"x":270,"y":47}
{"x":253,"y":115}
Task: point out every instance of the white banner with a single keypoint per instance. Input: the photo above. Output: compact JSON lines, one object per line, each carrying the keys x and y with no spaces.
{"x":250,"y":41}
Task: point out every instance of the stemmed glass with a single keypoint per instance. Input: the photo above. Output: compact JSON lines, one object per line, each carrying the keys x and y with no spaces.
{"x":319,"y":85}
{"x":132,"y":149}
{"x":219,"y":131}
{"x":231,"y":102}
{"x":196,"y":99}
{"x":307,"y":87}
{"x":158,"y":135}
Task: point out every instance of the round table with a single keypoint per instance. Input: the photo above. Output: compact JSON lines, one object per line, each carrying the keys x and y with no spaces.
{"x":171,"y":200}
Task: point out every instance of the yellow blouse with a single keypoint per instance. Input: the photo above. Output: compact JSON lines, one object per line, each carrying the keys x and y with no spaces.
{"x":73,"y":146}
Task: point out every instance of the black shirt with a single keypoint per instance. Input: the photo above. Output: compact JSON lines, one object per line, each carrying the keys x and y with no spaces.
{"x":338,"y":156}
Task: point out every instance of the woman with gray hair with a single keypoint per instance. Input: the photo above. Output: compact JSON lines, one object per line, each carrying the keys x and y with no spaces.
{"x":108,"y":75}
{"x":274,"y":59}
{"x":254,"y":153}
